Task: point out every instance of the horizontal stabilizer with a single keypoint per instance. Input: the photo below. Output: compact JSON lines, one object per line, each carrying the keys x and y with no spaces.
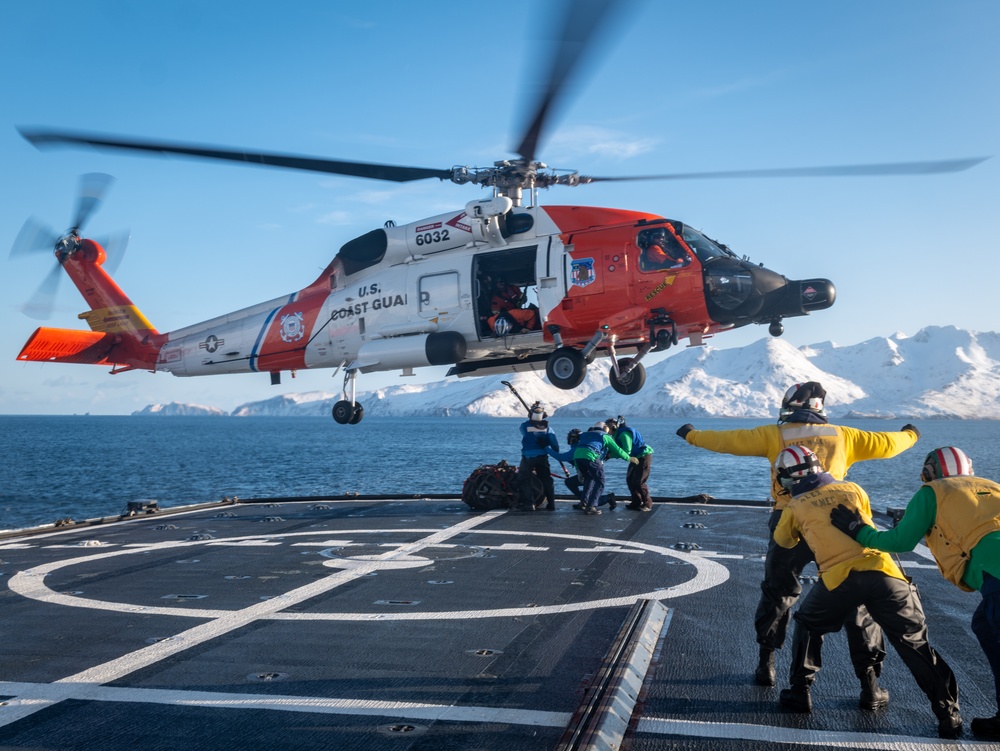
{"x":68,"y":345}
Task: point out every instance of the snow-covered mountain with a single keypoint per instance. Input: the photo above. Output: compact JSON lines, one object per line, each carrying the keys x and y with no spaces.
{"x":174,"y":409}
{"x":485,"y":396}
{"x":941,"y":372}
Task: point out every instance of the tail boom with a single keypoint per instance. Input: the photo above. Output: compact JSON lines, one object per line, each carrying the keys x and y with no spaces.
{"x":120,"y":334}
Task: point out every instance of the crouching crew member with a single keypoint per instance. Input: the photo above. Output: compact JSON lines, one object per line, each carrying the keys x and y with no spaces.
{"x":630,"y":441}
{"x":594,"y":446}
{"x":573,"y":481}
{"x":852,"y":576}
{"x":960,"y":516}
{"x":801,"y":421}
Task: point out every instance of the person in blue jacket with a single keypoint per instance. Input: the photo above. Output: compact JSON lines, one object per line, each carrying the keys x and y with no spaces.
{"x":574,"y":483}
{"x":536,"y":439}
{"x":593,"y":447}
{"x":629,"y":439}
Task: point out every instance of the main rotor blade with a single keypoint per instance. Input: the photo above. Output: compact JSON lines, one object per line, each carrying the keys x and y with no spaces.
{"x":582,"y":19}
{"x":35,"y":237}
{"x":93,"y":186}
{"x":394,"y":173}
{"x":855,"y":170}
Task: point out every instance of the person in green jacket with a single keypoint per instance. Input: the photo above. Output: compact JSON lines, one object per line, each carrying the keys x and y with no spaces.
{"x":631,"y":442}
{"x":588,"y":456}
{"x":959,"y":514}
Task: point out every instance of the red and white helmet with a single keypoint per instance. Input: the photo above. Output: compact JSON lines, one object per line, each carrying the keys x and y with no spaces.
{"x":946,"y":462}
{"x":795,"y":463}
{"x":809,"y":395}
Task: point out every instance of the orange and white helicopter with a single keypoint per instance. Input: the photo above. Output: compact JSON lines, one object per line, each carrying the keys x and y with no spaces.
{"x":493,"y":287}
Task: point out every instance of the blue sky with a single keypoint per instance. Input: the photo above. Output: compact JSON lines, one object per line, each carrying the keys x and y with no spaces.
{"x":681,"y":87}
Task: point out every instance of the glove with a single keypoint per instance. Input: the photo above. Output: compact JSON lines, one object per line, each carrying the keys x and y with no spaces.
{"x":912,"y":428}
{"x":847,"y":520}
{"x":633,"y":460}
{"x":683,"y":430}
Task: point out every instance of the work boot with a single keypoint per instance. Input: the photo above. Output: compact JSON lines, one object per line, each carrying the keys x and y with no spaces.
{"x":987,"y":728}
{"x":612,"y":503}
{"x":949,"y":722}
{"x":579,"y":506}
{"x":764,"y":674}
{"x":634,"y":506}
{"x":646,"y":507}
{"x":950,"y":727}
{"x":550,"y":506}
{"x":797,"y":699}
{"x":873,"y":696}
{"x":592,"y":510}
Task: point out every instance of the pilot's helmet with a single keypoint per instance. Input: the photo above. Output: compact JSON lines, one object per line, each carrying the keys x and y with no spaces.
{"x":501,"y":326}
{"x":600,"y":427}
{"x":573,"y":437}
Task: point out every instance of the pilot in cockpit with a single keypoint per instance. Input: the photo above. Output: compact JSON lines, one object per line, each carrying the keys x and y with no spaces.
{"x":661,"y":250}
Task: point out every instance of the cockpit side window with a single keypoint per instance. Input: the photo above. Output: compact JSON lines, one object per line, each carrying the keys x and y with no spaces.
{"x":660,"y":248}
{"x":704,"y":247}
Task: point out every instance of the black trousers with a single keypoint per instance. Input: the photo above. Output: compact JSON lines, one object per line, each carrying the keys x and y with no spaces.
{"x":895,"y":606}
{"x":539,"y":466}
{"x":986,"y":627}
{"x":636,"y":478}
{"x":781,"y":589}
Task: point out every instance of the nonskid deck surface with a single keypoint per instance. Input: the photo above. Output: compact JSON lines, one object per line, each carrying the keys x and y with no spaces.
{"x":422,"y":625}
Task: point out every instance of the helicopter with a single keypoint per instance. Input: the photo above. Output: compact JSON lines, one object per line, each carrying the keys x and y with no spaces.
{"x":499,"y":285}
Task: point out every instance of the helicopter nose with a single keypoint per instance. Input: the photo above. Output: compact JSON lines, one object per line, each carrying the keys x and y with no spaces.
{"x":794,"y":297}
{"x":739,"y":293}
{"x":815,"y":294}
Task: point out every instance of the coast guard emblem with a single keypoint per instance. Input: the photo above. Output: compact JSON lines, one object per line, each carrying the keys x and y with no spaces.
{"x":291,"y":327}
{"x":582,"y":272}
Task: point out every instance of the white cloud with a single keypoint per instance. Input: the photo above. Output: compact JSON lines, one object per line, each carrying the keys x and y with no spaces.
{"x":335,"y":217}
{"x":594,"y":140}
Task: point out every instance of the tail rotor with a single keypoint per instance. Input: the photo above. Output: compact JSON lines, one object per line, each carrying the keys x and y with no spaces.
{"x":37,"y":237}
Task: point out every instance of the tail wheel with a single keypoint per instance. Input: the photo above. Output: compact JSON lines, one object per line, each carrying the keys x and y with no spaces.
{"x":566,"y":368}
{"x":630,"y":383}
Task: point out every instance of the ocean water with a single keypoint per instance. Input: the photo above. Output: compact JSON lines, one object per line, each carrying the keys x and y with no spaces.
{"x":84,"y":467}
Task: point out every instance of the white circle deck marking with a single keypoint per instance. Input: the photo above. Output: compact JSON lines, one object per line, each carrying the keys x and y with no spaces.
{"x":708,"y":574}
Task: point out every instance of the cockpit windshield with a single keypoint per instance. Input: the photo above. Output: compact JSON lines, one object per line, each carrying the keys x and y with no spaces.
{"x":703,"y":247}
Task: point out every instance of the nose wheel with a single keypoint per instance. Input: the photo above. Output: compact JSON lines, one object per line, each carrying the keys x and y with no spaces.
{"x":627,"y":380}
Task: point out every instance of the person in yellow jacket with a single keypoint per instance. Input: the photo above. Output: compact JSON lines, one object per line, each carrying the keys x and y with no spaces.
{"x":852,"y":576}
{"x":960,"y":516}
{"x":801,"y":421}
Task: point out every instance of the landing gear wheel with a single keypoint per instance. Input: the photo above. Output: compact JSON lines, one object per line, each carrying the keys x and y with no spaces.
{"x":343,"y":412}
{"x":359,"y":412}
{"x":631,"y":383}
{"x":566,"y":368}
